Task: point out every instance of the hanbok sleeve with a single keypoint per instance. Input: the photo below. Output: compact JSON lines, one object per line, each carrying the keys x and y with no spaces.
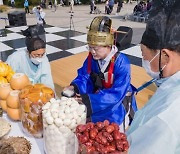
{"x":47,"y":80}
{"x":13,"y":62}
{"x":147,"y":140}
{"x":46,"y":77}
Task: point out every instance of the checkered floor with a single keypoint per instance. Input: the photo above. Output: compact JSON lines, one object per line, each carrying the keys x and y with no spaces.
{"x":61,"y":43}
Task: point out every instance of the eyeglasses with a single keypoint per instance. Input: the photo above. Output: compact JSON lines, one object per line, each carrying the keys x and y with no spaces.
{"x":92,"y":48}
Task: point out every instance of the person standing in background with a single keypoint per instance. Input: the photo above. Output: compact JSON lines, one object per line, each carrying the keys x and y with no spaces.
{"x":13,"y":3}
{"x":43,"y":4}
{"x":92,"y":5}
{"x":71,"y":6}
{"x":111,"y":5}
{"x":26,"y":6}
{"x":120,"y":4}
{"x":149,"y":4}
{"x":40,"y":14}
{"x":128,"y":1}
{"x":61,"y":3}
{"x":50,"y":3}
{"x":55,"y":5}
{"x":106,"y":7}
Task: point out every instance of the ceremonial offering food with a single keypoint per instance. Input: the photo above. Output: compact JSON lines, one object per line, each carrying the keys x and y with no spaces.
{"x":9,"y":98}
{"x":14,"y":114}
{"x":60,"y":118}
{"x":6,"y":72}
{"x":1,"y":111}
{"x":5,"y":127}
{"x":5,"y":89}
{"x":15,"y":145}
{"x":13,"y":99}
{"x":3,"y":80}
{"x":32,"y":98}
{"x":3,"y":105}
{"x":13,"y":106}
{"x":101,"y":137}
{"x":4,"y":69}
{"x":19,"y":81}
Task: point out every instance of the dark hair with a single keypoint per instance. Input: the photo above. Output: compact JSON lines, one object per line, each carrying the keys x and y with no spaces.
{"x":38,"y":7}
{"x":175,"y":48}
{"x":34,"y":44}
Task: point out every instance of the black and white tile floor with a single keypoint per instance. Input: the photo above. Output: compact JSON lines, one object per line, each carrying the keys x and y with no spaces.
{"x":61,"y":42}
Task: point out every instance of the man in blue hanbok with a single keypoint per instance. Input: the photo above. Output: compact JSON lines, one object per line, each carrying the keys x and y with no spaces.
{"x":33,"y":61}
{"x":156,"y":127}
{"x":103,"y":83}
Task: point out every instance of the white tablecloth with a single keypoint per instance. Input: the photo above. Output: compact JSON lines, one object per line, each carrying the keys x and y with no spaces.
{"x":16,"y":130}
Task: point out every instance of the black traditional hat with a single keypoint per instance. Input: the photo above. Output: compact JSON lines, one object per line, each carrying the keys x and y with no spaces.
{"x":163,"y":26}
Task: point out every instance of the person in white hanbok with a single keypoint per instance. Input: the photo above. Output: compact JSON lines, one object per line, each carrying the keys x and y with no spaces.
{"x":33,"y":62}
{"x":155,"y":128}
{"x":40,"y":15}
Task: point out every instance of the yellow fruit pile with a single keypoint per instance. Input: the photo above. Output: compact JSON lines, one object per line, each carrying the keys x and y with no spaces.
{"x":9,"y":95}
{"x":6,"y":72}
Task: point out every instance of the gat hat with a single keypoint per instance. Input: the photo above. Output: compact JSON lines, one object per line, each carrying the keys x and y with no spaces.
{"x":150,"y":39}
{"x":163,"y":25}
{"x":100,"y":32}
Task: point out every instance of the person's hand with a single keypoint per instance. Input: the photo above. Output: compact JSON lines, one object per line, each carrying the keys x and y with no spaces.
{"x":68,"y":91}
{"x":69,"y":88}
{"x":78,"y":98}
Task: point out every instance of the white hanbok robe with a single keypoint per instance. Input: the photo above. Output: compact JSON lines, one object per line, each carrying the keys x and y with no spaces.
{"x":156,"y":127}
{"x":21,"y":63}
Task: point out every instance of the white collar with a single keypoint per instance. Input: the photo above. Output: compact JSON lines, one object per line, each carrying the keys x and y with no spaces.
{"x":107,"y":59}
{"x":172,"y":81}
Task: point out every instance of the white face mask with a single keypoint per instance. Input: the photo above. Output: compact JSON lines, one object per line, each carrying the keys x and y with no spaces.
{"x":37,"y":60}
{"x":147,"y":67}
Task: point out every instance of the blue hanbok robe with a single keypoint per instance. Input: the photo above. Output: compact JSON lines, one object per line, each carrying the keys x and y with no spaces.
{"x":106,"y":103}
{"x":156,"y":127}
{"x":21,"y":63}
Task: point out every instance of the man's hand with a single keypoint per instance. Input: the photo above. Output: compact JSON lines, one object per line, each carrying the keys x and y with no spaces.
{"x":69,"y":88}
{"x":68,"y":91}
{"x":78,"y":98}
